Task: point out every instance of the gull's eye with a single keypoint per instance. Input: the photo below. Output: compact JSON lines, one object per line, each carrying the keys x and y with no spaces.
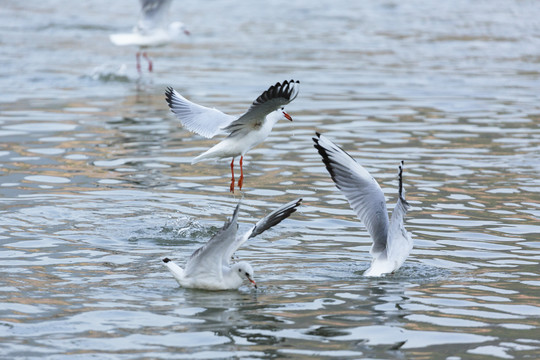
{"x":282,"y":108}
{"x":239,"y":270}
{"x":247,"y":274}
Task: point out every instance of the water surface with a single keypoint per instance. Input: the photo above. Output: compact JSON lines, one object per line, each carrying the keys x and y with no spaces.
{"x":96,"y":184}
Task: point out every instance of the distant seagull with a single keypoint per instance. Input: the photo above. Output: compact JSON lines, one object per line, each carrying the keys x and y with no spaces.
{"x":245,"y":132}
{"x":151,"y":30}
{"x":210,"y":267}
{"x":391,"y":242}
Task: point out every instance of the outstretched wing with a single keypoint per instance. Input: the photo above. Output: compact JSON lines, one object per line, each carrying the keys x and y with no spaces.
{"x":359,"y":187}
{"x":208,"y":258}
{"x":270,"y":220}
{"x":276,"y":96}
{"x":153,"y":14}
{"x":399,"y":240}
{"x":196,"y":118}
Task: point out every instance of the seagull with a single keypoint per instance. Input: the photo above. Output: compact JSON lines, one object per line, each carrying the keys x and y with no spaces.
{"x":244,"y":132}
{"x":210,"y":266}
{"x":391,"y":242}
{"x":151,"y":30}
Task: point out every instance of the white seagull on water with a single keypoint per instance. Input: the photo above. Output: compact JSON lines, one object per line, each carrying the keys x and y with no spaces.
{"x":391,"y":242}
{"x":210,"y":267}
{"x":245,"y":131}
{"x":151,"y":30}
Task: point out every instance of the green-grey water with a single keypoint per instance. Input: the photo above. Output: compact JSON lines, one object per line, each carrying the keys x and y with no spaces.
{"x":96,"y":181}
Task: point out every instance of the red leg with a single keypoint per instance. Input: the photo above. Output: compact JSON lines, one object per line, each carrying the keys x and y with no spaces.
{"x":138,"y":56}
{"x":150,"y":65}
{"x":241,"y":181}
{"x":232,"y":175}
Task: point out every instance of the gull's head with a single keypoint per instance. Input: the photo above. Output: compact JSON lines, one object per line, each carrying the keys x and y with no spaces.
{"x":279,"y":114}
{"x":245,"y":271}
{"x":178,"y":27}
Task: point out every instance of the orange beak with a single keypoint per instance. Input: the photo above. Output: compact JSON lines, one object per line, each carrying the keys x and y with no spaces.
{"x":253,"y":282}
{"x":287,"y":116}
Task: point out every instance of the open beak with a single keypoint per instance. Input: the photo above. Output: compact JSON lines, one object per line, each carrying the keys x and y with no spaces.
{"x":287,"y":116}
{"x":253,"y":282}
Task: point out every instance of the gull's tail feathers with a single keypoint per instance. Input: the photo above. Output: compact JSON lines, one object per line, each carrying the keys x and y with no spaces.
{"x":175,"y":270}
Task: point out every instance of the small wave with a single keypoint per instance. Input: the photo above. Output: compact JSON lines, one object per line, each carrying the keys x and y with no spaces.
{"x":110,"y":73}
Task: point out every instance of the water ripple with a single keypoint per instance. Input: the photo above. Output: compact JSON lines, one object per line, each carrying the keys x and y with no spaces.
{"x":97,"y":185}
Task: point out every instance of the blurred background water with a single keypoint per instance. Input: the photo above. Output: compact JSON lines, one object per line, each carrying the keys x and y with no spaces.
{"x":96,"y":184}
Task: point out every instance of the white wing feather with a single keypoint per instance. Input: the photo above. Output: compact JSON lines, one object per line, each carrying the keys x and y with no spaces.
{"x":204,"y":121}
{"x":400,"y":242}
{"x":208,"y":259}
{"x":360,"y":188}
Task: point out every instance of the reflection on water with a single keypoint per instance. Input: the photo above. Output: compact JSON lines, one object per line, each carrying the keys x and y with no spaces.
{"x":96,"y":183}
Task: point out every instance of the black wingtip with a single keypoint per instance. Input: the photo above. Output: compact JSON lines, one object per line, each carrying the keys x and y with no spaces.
{"x":297,"y":203}
{"x":236,"y":210}
{"x":326,"y":157}
{"x":234,"y":217}
{"x":400,"y":176}
{"x":276,"y":217}
{"x":166,"y":260}
{"x":283,"y":89}
{"x":316,"y":140}
{"x":168,"y":95}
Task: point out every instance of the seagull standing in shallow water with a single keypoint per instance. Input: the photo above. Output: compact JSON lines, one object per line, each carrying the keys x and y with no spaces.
{"x":210,"y":267}
{"x":151,"y":30}
{"x":245,"y":131}
{"x":391,"y":241}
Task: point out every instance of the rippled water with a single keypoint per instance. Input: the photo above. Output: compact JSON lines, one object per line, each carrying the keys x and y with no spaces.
{"x":96,"y":183}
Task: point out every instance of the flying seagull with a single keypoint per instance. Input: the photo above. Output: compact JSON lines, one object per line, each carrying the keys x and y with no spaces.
{"x":244,"y":132}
